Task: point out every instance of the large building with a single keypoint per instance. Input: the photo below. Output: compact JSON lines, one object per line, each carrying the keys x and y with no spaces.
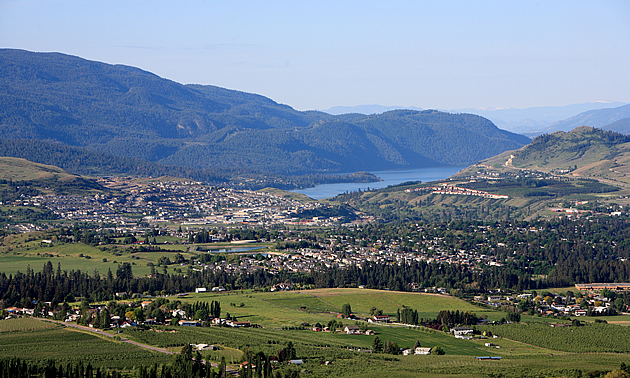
{"x":602,"y":286}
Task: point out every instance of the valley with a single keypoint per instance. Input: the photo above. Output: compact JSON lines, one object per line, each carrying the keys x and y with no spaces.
{"x":155,"y":229}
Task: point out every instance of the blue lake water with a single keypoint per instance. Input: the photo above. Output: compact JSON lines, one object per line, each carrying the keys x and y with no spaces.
{"x":388,"y":177}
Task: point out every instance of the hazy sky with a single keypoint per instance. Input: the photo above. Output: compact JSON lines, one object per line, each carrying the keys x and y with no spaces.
{"x":319,"y":54}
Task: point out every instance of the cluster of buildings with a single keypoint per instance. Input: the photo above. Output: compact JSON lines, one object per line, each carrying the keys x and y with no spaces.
{"x":557,"y":305}
{"x":456,"y":190}
{"x":183,"y":202}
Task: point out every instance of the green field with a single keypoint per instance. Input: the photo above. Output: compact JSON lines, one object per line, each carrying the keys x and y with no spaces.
{"x":36,"y":340}
{"x":588,"y":338}
{"x":289,"y":309}
{"x":19,"y":255}
{"x":293,"y":307}
{"x":547,"y":352}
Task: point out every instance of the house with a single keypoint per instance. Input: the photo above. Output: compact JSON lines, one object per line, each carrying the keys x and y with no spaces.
{"x":489,"y":344}
{"x":369,"y":332}
{"x":296,"y":362}
{"x":180,"y":313}
{"x":202,"y":347}
{"x":580,"y":312}
{"x":238,"y":324}
{"x":381,"y":318}
{"x":352,"y":330}
{"x":406,"y":352}
{"x":188,"y":323}
{"x":144,"y":304}
{"x":218,"y":288}
{"x":494,"y":298}
{"x":422,"y":351}
{"x":461,"y":332}
{"x":200,"y":290}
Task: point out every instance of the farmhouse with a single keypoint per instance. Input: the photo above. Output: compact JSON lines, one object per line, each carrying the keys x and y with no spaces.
{"x":188,"y":323}
{"x":422,"y":351}
{"x":461,"y":332}
{"x":381,"y":318}
{"x":352,"y":330}
{"x":200,"y":290}
{"x":237,"y":324}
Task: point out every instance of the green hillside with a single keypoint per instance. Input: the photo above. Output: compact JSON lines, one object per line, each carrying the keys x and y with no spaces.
{"x":124,"y":111}
{"x":24,"y":170}
{"x":585,"y":152}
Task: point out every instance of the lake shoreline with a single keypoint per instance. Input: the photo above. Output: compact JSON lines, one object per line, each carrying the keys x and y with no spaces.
{"x":391,"y":177}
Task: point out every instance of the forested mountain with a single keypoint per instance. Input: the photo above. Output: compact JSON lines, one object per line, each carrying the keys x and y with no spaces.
{"x":125,"y":111}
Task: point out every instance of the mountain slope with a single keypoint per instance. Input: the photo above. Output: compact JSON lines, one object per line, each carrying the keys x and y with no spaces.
{"x":584,"y":152}
{"x":622,"y":126}
{"x":125,"y":111}
{"x":594,"y":118}
{"x":531,"y":120}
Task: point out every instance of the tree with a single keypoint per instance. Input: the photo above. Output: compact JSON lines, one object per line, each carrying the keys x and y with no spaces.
{"x":138,"y":314}
{"x":438,"y":351}
{"x":514,"y":317}
{"x":377,"y":345}
{"x":346,"y":310}
{"x":391,"y":347}
{"x":291,"y":353}
{"x":201,"y":314}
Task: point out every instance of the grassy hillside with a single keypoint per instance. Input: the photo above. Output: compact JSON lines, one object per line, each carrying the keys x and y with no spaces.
{"x":585,"y":152}
{"x":23,"y":170}
{"x":19,"y":176}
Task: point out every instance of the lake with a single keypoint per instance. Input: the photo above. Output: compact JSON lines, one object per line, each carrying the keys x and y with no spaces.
{"x":388,"y":177}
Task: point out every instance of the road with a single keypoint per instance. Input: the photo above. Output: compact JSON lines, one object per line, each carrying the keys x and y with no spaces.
{"x":124,"y":340}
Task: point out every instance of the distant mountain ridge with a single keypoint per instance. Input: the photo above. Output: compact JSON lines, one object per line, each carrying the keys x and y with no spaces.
{"x":125,"y":111}
{"x":599,"y":118}
{"x":528,"y":121}
{"x":366,"y":109}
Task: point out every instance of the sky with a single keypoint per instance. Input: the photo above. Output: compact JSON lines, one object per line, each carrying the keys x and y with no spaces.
{"x":318,"y":54}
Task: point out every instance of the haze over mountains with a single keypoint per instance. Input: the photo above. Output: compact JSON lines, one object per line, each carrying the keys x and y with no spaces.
{"x":127,"y":112}
{"x":529,"y":121}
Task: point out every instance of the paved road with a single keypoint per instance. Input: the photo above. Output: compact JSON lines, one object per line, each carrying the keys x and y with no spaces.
{"x":124,"y":340}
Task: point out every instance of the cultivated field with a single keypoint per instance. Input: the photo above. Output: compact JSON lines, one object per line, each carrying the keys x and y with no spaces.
{"x":37,"y":340}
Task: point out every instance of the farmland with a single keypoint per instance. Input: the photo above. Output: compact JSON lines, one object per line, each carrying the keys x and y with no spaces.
{"x":289,"y":309}
{"x":588,"y":338}
{"x":36,"y":340}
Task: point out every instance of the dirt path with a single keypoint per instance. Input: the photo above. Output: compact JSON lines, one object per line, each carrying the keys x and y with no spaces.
{"x":101,"y":333}
{"x":124,"y":340}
